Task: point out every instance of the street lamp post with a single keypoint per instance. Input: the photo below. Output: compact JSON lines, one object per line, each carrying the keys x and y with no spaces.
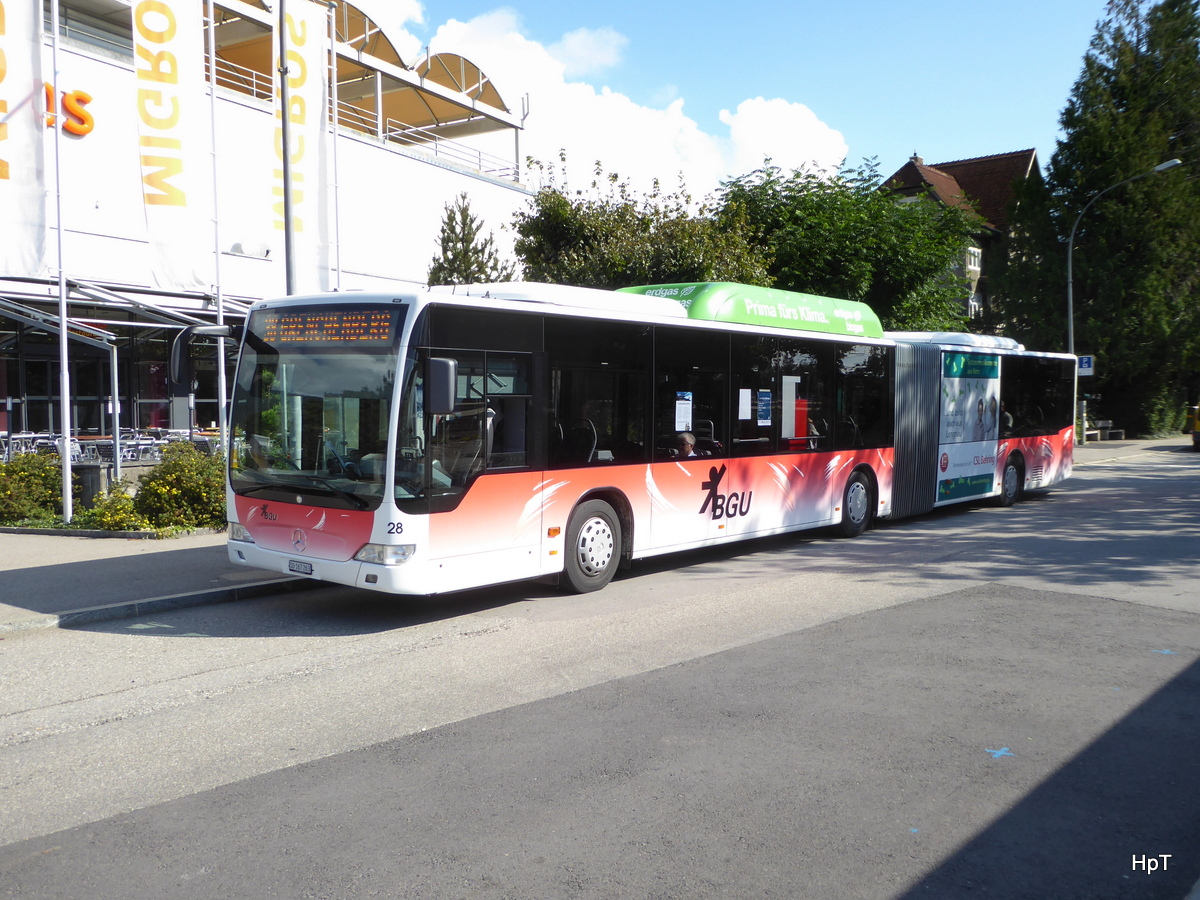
{"x":1161,"y":167}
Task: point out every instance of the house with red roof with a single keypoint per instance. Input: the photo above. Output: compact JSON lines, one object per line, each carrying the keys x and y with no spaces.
{"x":985,"y":184}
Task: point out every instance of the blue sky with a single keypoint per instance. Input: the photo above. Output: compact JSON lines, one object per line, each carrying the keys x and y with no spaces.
{"x":655,"y":88}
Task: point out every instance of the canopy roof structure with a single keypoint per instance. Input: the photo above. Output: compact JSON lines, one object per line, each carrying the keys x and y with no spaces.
{"x":441,"y":96}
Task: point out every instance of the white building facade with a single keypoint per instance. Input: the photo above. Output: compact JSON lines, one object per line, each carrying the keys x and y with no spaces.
{"x":156,"y":171}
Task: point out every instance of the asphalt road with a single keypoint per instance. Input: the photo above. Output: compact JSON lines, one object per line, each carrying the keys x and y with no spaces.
{"x":980,"y":702}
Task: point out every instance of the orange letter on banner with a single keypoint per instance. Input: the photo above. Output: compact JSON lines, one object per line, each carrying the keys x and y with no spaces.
{"x":156,"y":97}
{"x":154,"y":6}
{"x":168,"y":166}
{"x":4,"y":176}
{"x":163,"y":66}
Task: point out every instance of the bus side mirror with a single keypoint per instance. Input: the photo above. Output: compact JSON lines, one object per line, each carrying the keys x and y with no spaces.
{"x":179,"y":347}
{"x":441,"y":385}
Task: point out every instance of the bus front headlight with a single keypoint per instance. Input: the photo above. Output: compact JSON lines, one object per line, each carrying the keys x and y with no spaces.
{"x":238,"y":532}
{"x":386,"y":554}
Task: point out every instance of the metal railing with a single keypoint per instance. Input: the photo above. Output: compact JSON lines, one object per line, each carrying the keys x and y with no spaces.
{"x":426,"y":140}
{"x":241,"y":79}
{"x":357,"y":118}
{"x":429,"y":142}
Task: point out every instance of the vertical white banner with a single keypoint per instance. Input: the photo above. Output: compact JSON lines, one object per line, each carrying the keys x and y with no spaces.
{"x":173,"y":141}
{"x":307,"y":47}
{"x":22,"y":141}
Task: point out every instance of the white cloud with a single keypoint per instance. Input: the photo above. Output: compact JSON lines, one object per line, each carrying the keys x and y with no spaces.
{"x":638,"y":142}
{"x":588,"y":51}
{"x":789,"y":133}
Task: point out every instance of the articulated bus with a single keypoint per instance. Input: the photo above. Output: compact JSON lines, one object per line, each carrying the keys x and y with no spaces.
{"x":455,"y":437}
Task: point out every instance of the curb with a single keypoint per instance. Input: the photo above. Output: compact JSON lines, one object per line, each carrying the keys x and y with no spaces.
{"x":95,"y":533}
{"x":129,"y":609}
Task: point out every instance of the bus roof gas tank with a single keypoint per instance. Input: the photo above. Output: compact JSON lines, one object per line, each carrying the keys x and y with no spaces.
{"x":742,"y":304}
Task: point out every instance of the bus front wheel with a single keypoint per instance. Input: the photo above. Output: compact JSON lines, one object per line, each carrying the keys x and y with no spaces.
{"x":857,"y":503}
{"x":1010,"y":483}
{"x":593,"y":547}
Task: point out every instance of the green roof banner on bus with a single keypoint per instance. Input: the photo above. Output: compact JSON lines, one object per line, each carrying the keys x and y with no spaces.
{"x":743,"y":304}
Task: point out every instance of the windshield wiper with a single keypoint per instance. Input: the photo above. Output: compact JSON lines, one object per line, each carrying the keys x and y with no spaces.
{"x":353,"y":499}
{"x":358,"y":501}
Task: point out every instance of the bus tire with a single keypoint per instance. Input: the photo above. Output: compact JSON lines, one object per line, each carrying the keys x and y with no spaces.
{"x":857,"y":504}
{"x":1010,"y":483}
{"x":593,"y":547}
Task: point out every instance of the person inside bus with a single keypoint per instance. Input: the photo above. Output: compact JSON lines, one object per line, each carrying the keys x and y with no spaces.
{"x":989,"y":424}
{"x":685,"y":443}
{"x":1006,"y":421}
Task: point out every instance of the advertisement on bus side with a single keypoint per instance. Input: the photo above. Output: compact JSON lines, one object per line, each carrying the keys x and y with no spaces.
{"x":968,"y":425}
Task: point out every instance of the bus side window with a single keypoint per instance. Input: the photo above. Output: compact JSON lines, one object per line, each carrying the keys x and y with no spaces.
{"x":803,"y":367}
{"x":508,"y":396}
{"x":756,"y":397}
{"x":598,"y":375}
{"x":864,"y":397}
{"x":489,"y":426}
{"x":691,"y":389}
{"x":458,"y":443}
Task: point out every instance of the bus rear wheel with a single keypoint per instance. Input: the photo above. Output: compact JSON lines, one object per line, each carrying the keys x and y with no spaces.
{"x":857,"y":504}
{"x":593,"y":547}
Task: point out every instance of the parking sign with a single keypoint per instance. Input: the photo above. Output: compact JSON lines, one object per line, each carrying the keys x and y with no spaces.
{"x":1085,"y":366}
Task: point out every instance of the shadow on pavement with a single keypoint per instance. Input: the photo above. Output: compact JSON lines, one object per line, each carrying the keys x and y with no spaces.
{"x":320,"y":611}
{"x":1113,"y":528}
{"x":55,"y":587}
{"x":1091,"y":830}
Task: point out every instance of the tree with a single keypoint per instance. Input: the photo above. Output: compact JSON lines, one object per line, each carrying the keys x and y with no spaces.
{"x":612,"y":239}
{"x":1136,"y":260}
{"x":843,"y":236}
{"x":466,"y":256}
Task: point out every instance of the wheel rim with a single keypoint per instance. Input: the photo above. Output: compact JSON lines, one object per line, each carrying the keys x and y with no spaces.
{"x":856,"y":502}
{"x":1010,"y":481}
{"x":595,"y":546}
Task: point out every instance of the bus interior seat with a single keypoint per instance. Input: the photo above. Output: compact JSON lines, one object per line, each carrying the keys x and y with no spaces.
{"x":581,"y":441}
{"x":849,"y":433}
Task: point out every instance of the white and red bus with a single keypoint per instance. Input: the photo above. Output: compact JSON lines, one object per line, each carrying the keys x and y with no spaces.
{"x":450,"y":438}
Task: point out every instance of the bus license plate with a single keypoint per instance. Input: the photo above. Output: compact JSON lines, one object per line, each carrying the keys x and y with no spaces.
{"x":300,"y":568}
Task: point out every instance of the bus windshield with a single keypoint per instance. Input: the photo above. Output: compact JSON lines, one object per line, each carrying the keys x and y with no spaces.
{"x":311,"y":405}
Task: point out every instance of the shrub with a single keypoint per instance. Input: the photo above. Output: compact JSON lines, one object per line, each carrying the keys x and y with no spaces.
{"x":30,"y":488}
{"x":112,"y":510}
{"x":185,"y":490}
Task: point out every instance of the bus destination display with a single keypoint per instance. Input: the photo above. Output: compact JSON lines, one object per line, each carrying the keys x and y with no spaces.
{"x":370,"y":327}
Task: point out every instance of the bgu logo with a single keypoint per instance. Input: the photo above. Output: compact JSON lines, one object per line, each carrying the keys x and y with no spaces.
{"x":723,"y":505}
{"x":944,"y":463}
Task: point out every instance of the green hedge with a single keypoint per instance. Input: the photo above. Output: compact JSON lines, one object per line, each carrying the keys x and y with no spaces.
{"x":31,"y":489}
{"x":185,"y":491}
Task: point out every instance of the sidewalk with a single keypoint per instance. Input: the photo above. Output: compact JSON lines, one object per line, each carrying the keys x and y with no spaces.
{"x":1107,"y":451}
{"x":49,"y":581}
